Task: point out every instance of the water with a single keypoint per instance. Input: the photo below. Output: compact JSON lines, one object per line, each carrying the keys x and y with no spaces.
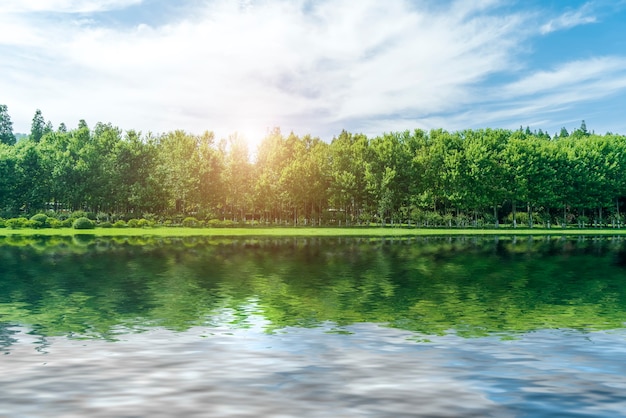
{"x":312,"y":327}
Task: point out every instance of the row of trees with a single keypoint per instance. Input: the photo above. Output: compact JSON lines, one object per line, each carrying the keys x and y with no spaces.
{"x":463,"y":178}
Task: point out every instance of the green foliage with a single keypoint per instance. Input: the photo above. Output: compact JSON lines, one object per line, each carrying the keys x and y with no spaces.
{"x":523,"y":218}
{"x":144,"y":223}
{"x":39,"y":220}
{"x":105,"y":224}
{"x":16,"y":223}
{"x":6,"y":126}
{"x":133,"y":223}
{"x":190,"y":222}
{"x":83,"y":223}
{"x":84,"y":214}
{"x":218,"y":223}
{"x":103,"y":217}
{"x":38,"y":126}
{"x":55,"y":223}
{"x":429,"y":179}
{"x":79,"y":214}
{"x":119,"y":224}
{"x":32,"y":224}
{"x":150,"y":217}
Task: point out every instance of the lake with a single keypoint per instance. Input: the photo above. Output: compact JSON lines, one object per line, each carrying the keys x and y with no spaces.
{"x":312,"y":327}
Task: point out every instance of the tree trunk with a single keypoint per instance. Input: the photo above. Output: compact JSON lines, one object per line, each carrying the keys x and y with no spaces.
{"x":514,"y":215}
{"x":600,"y":216}
{"x":495,"y":215}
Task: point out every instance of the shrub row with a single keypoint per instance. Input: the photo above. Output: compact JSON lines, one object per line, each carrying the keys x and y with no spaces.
{"x":42,"y":220}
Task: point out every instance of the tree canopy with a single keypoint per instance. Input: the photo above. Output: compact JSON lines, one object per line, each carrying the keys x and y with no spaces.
{"x":437,"y":178}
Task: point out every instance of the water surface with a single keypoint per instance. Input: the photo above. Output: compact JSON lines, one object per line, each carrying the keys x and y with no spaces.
{"x":313,"y":327}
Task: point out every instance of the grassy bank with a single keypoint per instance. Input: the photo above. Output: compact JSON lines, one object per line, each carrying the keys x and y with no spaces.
{"x":312,"y":232}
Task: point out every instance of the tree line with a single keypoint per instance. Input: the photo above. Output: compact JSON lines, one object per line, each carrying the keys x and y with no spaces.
{"x":437,"y":178}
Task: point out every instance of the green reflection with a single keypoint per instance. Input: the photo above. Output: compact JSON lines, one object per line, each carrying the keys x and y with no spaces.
{"x":99,"y":287}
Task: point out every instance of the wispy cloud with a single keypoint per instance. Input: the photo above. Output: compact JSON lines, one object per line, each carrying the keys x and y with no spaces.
{"x":269,"y":63}
{"x":569,"y":76}
{"x":64,"y":6}
{"x":570,"y":19}
{"x":314,"y":67}
{"x":541,"y":99}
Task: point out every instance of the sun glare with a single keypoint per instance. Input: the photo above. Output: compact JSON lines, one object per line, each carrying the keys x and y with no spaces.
{"x":253,"y":135}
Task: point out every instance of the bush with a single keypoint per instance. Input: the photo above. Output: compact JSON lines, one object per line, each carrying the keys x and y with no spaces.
{"x":67,"y":222}
{"x":144,"y":223}
{"x":190,"y":221}
{"x":2,"y":221}
{"x":16,"y":223}
{"x":105,"y":224}
{"x":119,"y":224}
{"x":83,"y":223}
{"x":32,"y":224}
{"x":133,"y":223}
{"x":39,"y":220}
{"x":214,"y":223}
{"x":229,"y":224}
{"x":55,"y":223}
{"x":78,"y":214}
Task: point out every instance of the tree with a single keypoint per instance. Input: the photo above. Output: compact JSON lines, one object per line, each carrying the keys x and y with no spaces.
{"x":32,"y":185}
{"x":485,"y":176}
{"x":347,"y":188}
{"x":274,"y":154}
{"x":238,"y":178}
{"x":210,"y":167}
{"x":6,"y":127}
{"x":38,"y":127}
{"x":581,"y":132}
{"x":139,"y":188}
{"x":177,"y":162}
{"x":302,"y":179}
{"x":8,"y":179}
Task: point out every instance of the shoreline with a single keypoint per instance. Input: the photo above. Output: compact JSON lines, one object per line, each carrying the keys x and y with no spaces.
{"x":309,"y":232}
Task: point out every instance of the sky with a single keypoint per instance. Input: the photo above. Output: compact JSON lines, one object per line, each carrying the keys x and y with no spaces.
{"x":315,"y":66}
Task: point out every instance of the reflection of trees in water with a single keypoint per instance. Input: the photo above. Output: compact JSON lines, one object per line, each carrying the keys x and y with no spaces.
{"x":6,"y":335}
{"x":474,"y":286}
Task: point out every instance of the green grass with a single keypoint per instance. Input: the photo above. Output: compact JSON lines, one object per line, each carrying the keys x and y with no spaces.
{"x":306,"y":232}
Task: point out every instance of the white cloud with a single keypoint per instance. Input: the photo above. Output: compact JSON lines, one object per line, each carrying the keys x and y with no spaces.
{"x":547,"y":99}
{"x":570,"y":19}
{"x":63,"y":6}
{"x":574,"y":75}
{"x":272,"y":62}
{"x":312,"y":67}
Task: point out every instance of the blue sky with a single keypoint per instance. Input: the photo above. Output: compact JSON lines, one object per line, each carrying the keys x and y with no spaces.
{"x":315,"y":67}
